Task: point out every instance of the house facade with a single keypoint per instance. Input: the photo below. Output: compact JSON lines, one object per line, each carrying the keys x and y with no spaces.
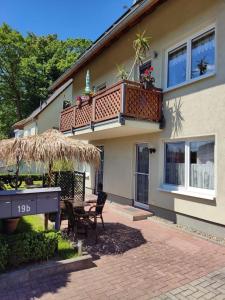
{"x":162,"y":149}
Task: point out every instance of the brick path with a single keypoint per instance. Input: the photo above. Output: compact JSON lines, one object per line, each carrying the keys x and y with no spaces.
{"x":138,"y":260}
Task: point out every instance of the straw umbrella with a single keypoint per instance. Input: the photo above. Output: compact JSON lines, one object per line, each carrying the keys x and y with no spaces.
{"x":47,"y":147}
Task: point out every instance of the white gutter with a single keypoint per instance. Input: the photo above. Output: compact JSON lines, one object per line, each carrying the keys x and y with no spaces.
{"x":108,"y":34}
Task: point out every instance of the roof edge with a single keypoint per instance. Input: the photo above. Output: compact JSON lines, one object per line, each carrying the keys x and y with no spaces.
{"x":134,"y":13}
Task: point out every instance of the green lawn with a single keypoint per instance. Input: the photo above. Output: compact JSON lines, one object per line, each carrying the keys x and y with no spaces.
{"x":36,"y":223}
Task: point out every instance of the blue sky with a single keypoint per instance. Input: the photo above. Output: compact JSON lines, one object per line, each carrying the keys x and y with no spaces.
{"x":67,"y":18}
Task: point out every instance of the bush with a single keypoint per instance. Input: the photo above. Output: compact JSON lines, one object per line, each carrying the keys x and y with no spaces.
{"x":34,"y":177}
{"x":29,"y":247}
{"x":3,"y":255}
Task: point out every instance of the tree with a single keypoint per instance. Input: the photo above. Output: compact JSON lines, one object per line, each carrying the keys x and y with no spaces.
{"x":28,"y":65}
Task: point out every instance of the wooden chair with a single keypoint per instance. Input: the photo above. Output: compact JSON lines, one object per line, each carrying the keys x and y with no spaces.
{"x":75,"y":221}
{"x":96,"y":210}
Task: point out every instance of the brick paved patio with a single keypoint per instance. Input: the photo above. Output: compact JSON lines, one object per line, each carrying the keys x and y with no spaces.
{"x":138,"y":260}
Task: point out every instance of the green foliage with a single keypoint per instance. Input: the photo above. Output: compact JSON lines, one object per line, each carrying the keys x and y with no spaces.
{"x":30,"y":223}
{"x":3,"y":254}
{"x":31,"y":246}
{"x":28,"y":65}
{"x":36,"y":177}
{"x":141,"y":45}
{"x":122,"y":72}
{"x":65,"y":250}
{"x":63,"y":165}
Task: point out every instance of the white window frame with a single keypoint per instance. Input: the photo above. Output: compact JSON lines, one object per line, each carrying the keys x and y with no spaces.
{"x":187,"y":188}
{"x":188,"y":43}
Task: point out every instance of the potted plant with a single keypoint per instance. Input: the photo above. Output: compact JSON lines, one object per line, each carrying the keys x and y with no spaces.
{"x":202,"y":66}
{"x":147,"y":79}
{"x":66,"y":104}
{"x":10,"y":225}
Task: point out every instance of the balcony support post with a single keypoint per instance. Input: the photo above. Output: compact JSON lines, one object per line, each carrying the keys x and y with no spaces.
{"x":121,"y":119}
{"x":93,"y":110}
{"x":123,"y":98}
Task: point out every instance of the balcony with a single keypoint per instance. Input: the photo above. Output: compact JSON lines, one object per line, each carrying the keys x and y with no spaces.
{"x":123,"y":109}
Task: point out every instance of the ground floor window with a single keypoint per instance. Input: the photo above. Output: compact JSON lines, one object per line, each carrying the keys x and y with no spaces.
{"x":190,"y":164}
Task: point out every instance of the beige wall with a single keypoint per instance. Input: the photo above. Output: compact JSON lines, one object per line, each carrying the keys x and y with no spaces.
{"x":197,"y":109}
{"x":30,"y":129}
{"x":50,"y":116}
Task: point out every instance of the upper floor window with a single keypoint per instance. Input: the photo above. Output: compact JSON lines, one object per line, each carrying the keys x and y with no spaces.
{"x":193,"y":59}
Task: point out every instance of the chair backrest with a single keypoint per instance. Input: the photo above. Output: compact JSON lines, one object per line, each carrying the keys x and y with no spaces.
{"x":102,"y":196}
{"x":70,"y":212}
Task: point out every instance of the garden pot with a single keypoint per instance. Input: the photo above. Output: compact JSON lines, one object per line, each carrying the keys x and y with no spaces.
{"x":10,"y":225}
{"x":79,"y":101}
{"x":148,"y":85}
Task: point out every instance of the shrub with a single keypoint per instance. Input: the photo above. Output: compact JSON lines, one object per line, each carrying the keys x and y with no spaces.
{"x":30,"y":247}
{"x":3,"y":254}
{"x":35,"y":177}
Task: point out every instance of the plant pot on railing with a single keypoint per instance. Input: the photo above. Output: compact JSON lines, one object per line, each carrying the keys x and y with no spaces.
{"x":148,"y":85}
{"x":79,"y":101}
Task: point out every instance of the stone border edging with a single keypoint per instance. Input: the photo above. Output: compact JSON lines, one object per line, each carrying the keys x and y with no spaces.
{"x":43,"y":269}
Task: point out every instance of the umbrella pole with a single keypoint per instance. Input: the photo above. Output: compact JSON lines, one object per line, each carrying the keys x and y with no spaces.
{"x":17,"y":171}
{"x":49,"y":185}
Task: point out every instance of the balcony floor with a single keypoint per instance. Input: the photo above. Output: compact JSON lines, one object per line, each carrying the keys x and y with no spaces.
{"x":115,"y":129}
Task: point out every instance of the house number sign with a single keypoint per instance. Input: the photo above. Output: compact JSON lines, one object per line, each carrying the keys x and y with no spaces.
{"x":24,"y":208}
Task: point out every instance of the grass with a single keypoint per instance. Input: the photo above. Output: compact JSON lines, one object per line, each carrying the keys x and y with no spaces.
{"x":36,"y":223}
{"x":31,"y":223}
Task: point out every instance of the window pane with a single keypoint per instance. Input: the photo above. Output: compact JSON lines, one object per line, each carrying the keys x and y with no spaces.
{"x":202,"y":165}
{"x":142,"y":188}
{"x":142,"y":159}
{"x":177,"y":61}
{"x":203,"y":55}
{"x":175,"y":159}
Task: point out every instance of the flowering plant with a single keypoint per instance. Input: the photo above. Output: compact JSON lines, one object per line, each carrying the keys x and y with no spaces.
{"x":147,"y":76}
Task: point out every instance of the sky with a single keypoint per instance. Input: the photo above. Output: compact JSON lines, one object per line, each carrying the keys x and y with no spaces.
{"x":68,"y":18}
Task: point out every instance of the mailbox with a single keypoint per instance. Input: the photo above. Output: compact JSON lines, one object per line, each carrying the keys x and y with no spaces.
{"x":30,"y":202}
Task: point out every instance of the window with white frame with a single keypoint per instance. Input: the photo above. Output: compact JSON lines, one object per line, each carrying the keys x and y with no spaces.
{"x":193,"y":59}
{"x":190,"y":164}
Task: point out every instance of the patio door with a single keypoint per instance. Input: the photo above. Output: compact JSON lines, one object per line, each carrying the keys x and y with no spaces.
{"x":142,"y":176}
{"x":99,"y":173}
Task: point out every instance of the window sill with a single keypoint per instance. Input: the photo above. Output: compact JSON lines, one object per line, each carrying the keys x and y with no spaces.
{"x":187,"y":193}
{"x":188,"y":82}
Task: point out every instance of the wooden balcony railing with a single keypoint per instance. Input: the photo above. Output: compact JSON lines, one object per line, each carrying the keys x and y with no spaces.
{"x":125,"y":98}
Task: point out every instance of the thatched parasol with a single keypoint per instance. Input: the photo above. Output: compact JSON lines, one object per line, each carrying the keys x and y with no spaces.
{"x":47,"y":147}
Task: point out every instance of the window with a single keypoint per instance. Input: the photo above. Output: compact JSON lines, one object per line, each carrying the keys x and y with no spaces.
{"x":194,"y":59}
{"x":175,"y":153}
{"x":190,"y":164}
{"x":177,"y":63}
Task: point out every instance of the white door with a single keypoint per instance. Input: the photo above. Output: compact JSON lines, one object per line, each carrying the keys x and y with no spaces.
{"x":142,"y":176}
